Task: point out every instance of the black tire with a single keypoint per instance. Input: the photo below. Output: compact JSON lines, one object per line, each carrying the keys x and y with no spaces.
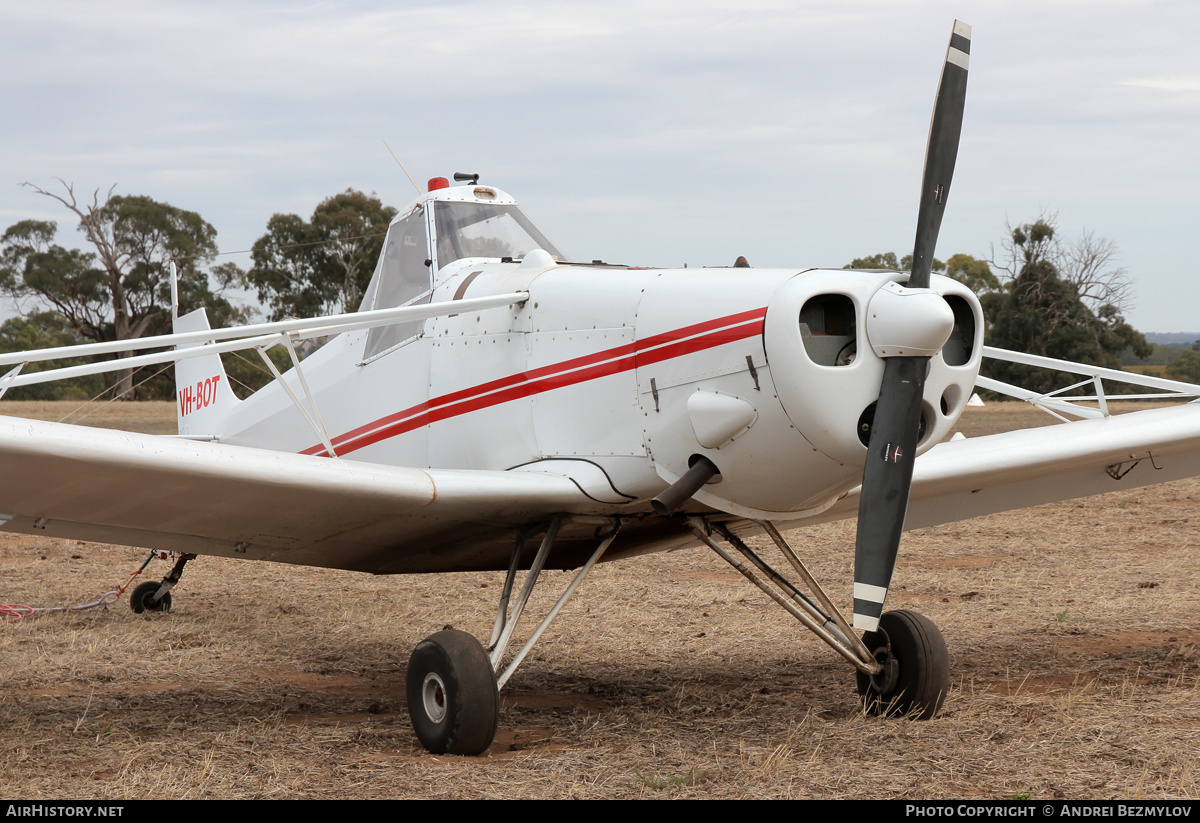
{"x":140,"y":601}
{"x":452,"y":696}
{"x":916,"y":662}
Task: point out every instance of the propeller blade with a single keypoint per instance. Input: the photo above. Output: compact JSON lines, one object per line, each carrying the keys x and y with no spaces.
{"x":887,"y":477}
{"x":895,"y":429}
{"x":944,"y":131}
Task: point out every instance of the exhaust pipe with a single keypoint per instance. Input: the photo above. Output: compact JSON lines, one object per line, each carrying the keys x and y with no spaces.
{"x":702,"y":470}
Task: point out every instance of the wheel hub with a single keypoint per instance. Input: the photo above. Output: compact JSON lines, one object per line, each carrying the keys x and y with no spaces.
{"x":433,"y":697}
{"x":889,"y":676}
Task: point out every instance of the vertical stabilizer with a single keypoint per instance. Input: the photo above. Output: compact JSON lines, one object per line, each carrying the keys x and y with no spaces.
{"x":203,"y":397}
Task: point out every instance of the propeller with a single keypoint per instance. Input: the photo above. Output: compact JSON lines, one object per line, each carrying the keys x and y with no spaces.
{"x":906,"y":326}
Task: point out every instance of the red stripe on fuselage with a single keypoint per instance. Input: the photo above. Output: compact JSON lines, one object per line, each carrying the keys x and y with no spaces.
{"x":660,"y":347}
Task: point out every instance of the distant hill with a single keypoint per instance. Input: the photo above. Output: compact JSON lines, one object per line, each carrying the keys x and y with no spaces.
{"x":1172,"y":338}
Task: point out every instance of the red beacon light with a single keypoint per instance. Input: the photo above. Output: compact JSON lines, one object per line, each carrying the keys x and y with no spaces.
{"x":436,"y":183}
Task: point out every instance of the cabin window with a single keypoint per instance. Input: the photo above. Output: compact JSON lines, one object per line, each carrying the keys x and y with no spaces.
{"x":401,"y":278}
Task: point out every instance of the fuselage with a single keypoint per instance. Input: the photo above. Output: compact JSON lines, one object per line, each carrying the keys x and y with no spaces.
{"x":617,"y":377}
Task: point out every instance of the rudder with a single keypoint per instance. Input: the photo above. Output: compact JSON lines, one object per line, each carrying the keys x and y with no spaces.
{"x":203,"y":397}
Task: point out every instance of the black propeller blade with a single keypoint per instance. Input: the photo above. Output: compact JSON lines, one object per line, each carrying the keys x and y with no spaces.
{"x":887,"y":475}
{"x":944,"y":130}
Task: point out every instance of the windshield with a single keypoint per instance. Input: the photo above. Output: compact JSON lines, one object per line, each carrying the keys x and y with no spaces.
{"x":486,"y":230}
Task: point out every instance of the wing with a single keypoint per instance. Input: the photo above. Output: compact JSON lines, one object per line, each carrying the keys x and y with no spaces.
{"x":968,"y":478}
{"x":206,"y":498}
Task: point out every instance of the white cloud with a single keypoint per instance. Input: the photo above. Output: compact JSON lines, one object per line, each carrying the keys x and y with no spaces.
{"x":645,"y":131}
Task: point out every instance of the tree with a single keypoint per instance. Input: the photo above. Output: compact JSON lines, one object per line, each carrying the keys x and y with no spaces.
{"x":43,"y":330}
{"x":1052,"y":298}
{"x":887,"y":260}
{"x":121,"y":290}
{"x":322,"y":266}
{"x":975,"y":274}
{"x":1089,"y":263}
{"x":1185,"y":367}
{"x":1062,"y":302}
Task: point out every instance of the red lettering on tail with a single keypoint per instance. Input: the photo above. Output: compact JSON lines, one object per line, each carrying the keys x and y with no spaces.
{"x":202,"y":395}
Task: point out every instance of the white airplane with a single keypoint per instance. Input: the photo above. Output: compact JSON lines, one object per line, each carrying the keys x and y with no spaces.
{"x":493,"y":406}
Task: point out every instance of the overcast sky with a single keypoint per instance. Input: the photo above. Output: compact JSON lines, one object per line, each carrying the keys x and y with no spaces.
{"x":636,"y":132}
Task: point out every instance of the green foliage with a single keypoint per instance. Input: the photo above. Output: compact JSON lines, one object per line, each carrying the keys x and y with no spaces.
{"x":975,"y":274}
{"x":1161,"y":354}
{"x":1186,"y":367}
{"x":888,"y":261}
{"x":321,"y":266}
{"x":1033,"y":238}
{"x":43,"y":330}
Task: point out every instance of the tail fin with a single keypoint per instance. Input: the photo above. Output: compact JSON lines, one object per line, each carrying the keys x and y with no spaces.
{"x":204,"y":397}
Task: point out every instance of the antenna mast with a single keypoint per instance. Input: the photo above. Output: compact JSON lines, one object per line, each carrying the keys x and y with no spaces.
{"x":401,"y":165}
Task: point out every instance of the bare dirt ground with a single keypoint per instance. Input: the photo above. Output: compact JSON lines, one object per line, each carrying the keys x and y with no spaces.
{"x":1076,"y":671}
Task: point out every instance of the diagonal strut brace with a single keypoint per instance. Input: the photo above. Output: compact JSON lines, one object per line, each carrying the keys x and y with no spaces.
{"x":823,"y":619}
{"x":506,"y":622}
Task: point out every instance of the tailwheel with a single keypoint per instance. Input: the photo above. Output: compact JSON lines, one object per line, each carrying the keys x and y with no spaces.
{"x":146,"y":597}
{"x":142,"y":599}
{"x":453,"y":699}
{"x":916,"y":667}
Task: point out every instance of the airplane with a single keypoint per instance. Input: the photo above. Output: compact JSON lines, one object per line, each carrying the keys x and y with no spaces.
{"x":495,"y":406}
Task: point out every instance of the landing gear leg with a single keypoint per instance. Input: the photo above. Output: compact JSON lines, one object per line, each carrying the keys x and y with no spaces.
{"x":156,"y":597}
{"x":903,"y":667}
{"x":453,"y":683}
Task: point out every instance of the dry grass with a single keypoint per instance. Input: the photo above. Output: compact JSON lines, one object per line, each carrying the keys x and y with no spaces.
{"x":1071,"y":627}
{"x":156,"y":417}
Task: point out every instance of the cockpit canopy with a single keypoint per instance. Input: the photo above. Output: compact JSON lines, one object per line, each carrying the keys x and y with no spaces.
{"x":466,"y":229}
{"x":467,"y":221}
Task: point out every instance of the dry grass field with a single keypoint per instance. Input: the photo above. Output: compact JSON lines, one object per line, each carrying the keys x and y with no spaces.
{"x":1072,"y":630}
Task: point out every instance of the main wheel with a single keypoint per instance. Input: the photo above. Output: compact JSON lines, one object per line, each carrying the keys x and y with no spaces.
{"x":142,"y":599}
{"x":916,"y":667}
{"x":452,"y":695}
